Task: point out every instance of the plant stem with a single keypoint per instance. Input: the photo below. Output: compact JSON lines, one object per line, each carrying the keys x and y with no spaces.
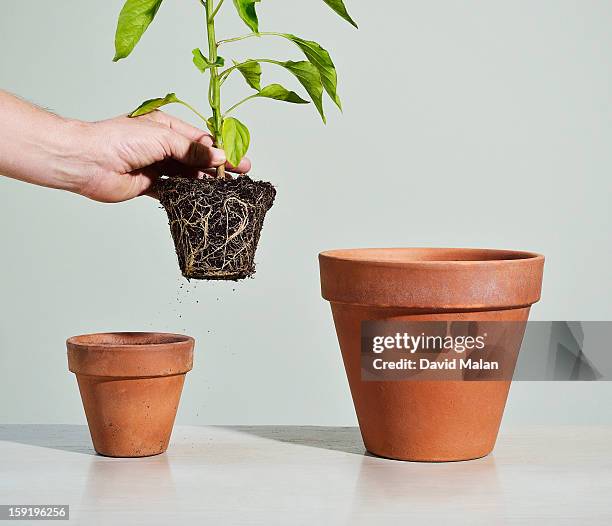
{"x":224,"y":74}
{"x":250,"y":35}
{"x":214,"y":89}
{"x":194,"y":111}
{"x":240,"y":103}
{"x":268,"y":61}
{"x":217,"y":8}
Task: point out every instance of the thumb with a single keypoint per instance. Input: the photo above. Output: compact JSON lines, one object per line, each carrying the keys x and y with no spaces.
{"x":190,"y":153}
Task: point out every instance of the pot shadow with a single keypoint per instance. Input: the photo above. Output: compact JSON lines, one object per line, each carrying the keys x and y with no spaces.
{"x":62,"y":437}
{"x":344,"y":439}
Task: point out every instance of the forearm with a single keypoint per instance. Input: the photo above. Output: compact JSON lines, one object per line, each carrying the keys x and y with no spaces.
{"x":38,"y":147}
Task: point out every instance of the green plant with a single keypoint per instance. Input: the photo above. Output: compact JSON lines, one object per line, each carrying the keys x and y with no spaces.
{"x":317,"y":74}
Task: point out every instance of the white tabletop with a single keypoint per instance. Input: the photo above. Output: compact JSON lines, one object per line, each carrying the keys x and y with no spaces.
{"x":309,"y":475}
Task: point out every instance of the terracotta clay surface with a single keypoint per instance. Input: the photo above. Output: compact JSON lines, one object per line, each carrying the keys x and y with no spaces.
{"x":130,"y":384}
{"x":427,"y":420}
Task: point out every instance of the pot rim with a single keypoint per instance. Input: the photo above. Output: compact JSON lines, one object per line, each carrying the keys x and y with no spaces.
{"x":499,"y":256}
{"x":434,"y":279}
{"x":130,"y":354}
{"x":91,"y":340}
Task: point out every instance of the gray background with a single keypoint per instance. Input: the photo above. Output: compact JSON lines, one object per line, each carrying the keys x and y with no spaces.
{"x":476,"y":123}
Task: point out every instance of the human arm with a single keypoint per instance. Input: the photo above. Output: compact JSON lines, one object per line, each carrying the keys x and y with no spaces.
{"x":108,"y":161}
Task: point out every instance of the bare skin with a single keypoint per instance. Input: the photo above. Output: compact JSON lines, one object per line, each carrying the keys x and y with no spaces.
{"x":108,"y":161}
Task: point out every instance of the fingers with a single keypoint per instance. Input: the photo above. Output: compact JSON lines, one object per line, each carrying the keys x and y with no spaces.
{"x":194,"y":154}
{"x":172,"y":168}
{"x":143,"y":182}
{"x":187,"y":130}
{"x":242,"y":168}
{"x":201,"y":159}
{"x":115,"y":188}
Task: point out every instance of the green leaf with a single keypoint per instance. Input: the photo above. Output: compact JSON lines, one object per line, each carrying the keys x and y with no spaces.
{"x":277,"y":92}
{"x":339,"y":7}
{"x":202,"y":62}
{"x":321,"y":60}
{"x":236,"y":140}
{"x":134,"y":20}
{"x":246,"y":10}
{"x":309,"y":77}
{"x":251,"y":71}
{"x":154,"y":104}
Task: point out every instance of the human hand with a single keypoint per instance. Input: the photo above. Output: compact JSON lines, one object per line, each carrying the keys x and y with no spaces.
{"x":124,"y":156}
{"x":108,"y":161}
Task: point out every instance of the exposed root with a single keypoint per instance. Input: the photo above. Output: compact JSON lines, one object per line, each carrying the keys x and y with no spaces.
{"x":216,"y":224}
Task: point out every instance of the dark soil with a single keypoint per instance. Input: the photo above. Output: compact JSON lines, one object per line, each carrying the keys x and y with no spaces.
{"x":216,"y":224}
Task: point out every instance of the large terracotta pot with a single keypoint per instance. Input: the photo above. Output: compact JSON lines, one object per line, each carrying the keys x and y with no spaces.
{"x":130,"y":384}
{"x":427,"y":420}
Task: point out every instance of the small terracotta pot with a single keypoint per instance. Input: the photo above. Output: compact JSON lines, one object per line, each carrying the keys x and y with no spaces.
{"x":130,"y":384}
{"x":427,"y":420}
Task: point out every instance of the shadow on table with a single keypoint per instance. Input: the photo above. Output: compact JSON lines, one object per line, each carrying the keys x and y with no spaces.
{"x":71,"y":438}
{"x":345,"y":439}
